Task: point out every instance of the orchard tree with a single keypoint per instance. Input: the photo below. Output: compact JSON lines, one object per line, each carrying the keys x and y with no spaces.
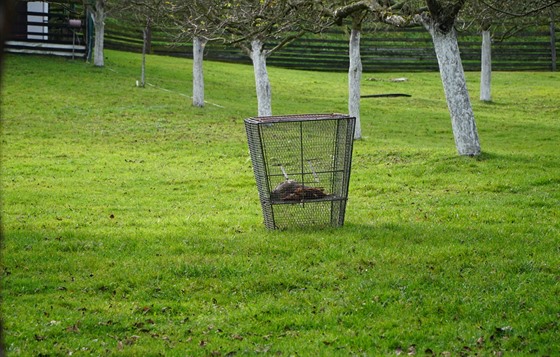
{"x":510,"y":17}
{"x":98,"y":11}
{"x":357,"y":12}
{"x":355,"y":70}
{"x":439,"y":20}
{"x":201,"y":22}
{"x":146,"y":13}
{"x":260,"y":27}
{"x":482,"y":17}
{"x":438,"y":17}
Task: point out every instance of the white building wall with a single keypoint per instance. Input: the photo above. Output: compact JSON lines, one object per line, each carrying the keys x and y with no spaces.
{"x":42,"y":7}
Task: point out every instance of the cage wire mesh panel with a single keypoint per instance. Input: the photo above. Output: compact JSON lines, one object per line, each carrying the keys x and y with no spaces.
{"x":302,"y":167}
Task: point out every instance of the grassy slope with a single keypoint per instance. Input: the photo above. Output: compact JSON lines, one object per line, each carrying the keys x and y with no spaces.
{"x":132,"y":226}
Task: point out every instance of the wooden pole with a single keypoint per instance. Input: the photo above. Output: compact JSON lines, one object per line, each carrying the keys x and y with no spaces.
{"x":553,"y":40}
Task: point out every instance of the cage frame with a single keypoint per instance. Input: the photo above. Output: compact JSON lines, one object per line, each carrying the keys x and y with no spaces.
{"x":341,"y":167}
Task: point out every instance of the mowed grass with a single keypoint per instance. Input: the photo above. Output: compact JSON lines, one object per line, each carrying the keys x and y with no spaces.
{"x":132,"y":225}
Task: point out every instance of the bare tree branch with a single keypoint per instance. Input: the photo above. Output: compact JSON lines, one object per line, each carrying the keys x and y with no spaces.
{"x":523,"y":14}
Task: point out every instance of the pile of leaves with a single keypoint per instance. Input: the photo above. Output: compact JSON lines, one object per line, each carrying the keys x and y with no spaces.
{"x":291,"y":190}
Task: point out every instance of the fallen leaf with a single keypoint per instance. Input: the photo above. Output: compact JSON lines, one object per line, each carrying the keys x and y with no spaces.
{"x":73,"y":328}
{"x":131,"y":340}
{"x":263,"y":349}
{"x":398,"y":351}
{"x":412,"y":350}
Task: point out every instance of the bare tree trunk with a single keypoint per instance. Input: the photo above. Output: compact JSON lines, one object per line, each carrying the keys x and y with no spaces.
{"x":143,"y":73}
{"x":99,"y":24}
{"x":198,"y":71}
{"x":456,"y":93}
{"x":354,"y":80}
{"x":486,"y":67}
{"x":145,"y":39}
{"x":262,"y":82}
{"x":149,"y":37}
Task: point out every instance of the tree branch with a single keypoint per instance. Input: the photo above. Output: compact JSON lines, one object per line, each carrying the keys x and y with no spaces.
{"x":345,"y":11}
{"x":286,"y":41}
{"x":512,"y":14}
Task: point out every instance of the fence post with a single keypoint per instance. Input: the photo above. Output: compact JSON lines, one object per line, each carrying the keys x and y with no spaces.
{"x":553,"y":39}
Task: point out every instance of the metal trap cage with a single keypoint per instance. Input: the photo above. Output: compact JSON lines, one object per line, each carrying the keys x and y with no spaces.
{"x":302,"y":167}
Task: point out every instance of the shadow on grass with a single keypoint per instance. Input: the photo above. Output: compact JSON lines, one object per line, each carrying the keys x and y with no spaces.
{"x":435,"y":280}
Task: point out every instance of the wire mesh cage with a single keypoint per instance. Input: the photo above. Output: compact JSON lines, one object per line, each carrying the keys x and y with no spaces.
{"x":302,"y":167}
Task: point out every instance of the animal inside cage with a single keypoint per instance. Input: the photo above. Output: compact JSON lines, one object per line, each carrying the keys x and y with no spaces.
{"x":302,"y":167}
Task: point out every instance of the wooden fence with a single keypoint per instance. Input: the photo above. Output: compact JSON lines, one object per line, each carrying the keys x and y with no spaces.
{"x":385,"y":49}
{"x":382,"y":50}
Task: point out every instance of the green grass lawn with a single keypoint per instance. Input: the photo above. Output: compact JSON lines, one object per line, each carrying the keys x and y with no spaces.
{"x":132,"y":224}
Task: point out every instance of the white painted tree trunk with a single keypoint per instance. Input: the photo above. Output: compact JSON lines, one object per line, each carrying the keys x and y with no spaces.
{"x":99,"y":25}
{"x":486,"y":67}
{"x":456,"y":93}
{"x":198,"y":71}
{"x":354,"y":81}
{"x":262,"y":82}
